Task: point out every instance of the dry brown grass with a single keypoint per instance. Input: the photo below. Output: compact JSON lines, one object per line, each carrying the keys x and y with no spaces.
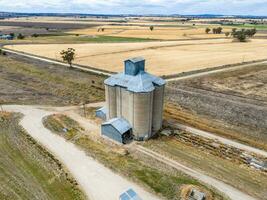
{"x":162,"y":33}
{"x":186,"y":189}
{"x":176,"y":113}
{"x":163,"y":58}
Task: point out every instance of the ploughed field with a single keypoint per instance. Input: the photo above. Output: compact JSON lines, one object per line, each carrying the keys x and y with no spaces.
{"x":24,"y":81}
{"x":163,"y":58}
{"x":27,"y":170}
{"x":232,"y":103}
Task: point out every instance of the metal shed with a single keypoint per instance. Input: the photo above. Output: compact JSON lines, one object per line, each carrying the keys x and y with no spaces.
{"x":117,"y":129}
{"x":101,"y":113}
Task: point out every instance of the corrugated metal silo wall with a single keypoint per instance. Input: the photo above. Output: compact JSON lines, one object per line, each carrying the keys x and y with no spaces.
{"x":158,"y":102}
{"x":111,"y":102}
{"x":124,"y":104}
{"x":142,"y":111}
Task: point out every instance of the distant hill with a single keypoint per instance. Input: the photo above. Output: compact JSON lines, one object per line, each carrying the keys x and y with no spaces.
{"x":16,"y":14}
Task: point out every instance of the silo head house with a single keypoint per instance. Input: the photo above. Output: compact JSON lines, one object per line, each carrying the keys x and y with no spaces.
{"x":134,"y":103}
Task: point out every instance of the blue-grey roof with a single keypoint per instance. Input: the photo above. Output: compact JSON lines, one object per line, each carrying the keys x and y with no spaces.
{"x":130,"y":195}
{"x":142,"y":82}
{"x":136,"y":59}
{"x":120,"y":124}
{"x":102,"y":110}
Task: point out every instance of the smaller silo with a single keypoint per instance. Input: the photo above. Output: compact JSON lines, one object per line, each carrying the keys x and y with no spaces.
{"x":111,"y":101}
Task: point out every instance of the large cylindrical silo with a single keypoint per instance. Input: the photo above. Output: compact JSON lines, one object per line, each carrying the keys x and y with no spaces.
{"x":142,"y":111}
{"x":123,"y":101}
{"x":158,"y":101}
{"x":125,"y":106}
{"x":111,"y":102}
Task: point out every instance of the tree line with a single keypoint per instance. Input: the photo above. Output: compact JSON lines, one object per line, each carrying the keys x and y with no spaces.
{"x":241,"y":35}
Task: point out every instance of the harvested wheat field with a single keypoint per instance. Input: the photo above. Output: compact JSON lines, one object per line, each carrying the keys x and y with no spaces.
{"x":163,"y":58}
{"x":160,"y":33}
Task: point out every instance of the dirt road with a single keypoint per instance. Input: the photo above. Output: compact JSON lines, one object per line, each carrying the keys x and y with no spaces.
{"x":228,"y":190}
{"x":86,"y":69}
{"x":97,"y":181}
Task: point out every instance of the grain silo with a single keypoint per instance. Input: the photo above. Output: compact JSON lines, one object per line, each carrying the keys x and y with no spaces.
{"x":136,"y":97}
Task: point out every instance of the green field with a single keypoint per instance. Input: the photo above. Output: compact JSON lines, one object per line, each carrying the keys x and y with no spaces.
{"x":258,"y":27}
{"x":74,"y":39}
{"x":27,"y":171}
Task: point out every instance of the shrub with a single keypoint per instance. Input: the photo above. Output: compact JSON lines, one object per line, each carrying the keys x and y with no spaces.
{"x":35,"y":35}
{"x":207,"y":30}
{"x":20,"y":36}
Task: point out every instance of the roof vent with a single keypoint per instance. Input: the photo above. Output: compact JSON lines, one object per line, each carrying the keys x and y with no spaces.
{"x":134,"y":65}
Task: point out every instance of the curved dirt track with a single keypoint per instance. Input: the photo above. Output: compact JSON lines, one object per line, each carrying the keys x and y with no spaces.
{"x":97,"y":181}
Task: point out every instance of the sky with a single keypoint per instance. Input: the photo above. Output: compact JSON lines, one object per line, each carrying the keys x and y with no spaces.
{"x":226,"y":7}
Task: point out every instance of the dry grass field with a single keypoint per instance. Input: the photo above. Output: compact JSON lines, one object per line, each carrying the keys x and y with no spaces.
{"x":163,"y":58}
{"x":232,"y":173}
{"x":23,"y":81}
{"x":27,"y":170}
{"x":231,"y":104}
{"x":143,"y":31}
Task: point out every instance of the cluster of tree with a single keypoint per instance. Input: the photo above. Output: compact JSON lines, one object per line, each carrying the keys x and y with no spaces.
{"x":243,"y":34}
{"x":151,"y":28}
{"x":214,"y":30}
{"x":217,"y":30}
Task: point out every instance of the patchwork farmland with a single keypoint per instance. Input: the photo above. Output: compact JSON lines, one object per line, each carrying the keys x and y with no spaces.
{"x":213,"y":138}
{"x":163,"y":58}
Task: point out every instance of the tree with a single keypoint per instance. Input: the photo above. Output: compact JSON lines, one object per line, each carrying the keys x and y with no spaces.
{"x":240,"y":35}
{"x":151,"y":28}
{"x":234,"y":30}
{"x":219,"y":30}
{"x":35,"y":35}
{"x":12,"y":34}
{"x":207,"y":30}
{"x":68,"y":56}
{"x":20,"y":36}
{"x":227,"y":34}
{"x":251,"y":32}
